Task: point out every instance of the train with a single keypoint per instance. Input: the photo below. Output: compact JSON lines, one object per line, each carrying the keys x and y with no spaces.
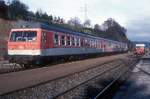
{"x":140,"y":49}
{"x":36,"y":43}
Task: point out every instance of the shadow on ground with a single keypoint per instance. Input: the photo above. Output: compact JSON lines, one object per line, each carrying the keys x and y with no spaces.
{"x":120,"y":90}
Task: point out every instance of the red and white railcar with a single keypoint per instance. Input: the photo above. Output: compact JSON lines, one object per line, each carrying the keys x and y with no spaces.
{"x":36,"y":42}
{"x":139,"y":49}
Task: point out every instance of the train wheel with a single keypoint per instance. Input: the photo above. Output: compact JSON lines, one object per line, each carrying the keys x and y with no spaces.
{"x":70,"y":58}
{"x":22,"y":65}
{"x":25,"y":66}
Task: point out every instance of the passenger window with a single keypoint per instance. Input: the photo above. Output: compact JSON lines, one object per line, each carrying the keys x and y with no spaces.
{"x":73,"y":41}
{"x":99,"y":44}
{"x":63,"y":40}
{"x":90,"y":43}
{"x":94,"y":43}
{"x":56,"y":39}
{"x":69,"y":40}
{"x":110,"y":44}
{"x":77,"y":41}
{"x":86,"y":43}
{"x":82,"y":43}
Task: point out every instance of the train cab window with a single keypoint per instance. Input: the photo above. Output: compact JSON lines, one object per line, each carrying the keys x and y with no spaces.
{"x":73,"y":41}
{"x":63,"y":40}
{"x":23,"y":36}
{"x":69,"y":40}
{"x":56,"y":39}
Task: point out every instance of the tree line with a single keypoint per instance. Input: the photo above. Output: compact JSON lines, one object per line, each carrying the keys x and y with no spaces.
{"x":15,"y":10}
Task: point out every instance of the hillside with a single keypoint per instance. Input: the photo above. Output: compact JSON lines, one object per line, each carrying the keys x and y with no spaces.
{"x":5,"y":27}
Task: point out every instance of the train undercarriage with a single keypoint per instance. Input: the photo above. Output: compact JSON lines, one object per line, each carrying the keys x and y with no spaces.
{"x":28,"y":61}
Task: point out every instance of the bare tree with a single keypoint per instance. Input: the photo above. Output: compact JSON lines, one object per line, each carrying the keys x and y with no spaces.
{"x":75,"y":22}
{"x":97,"y":27}
{"x":87,"y":23}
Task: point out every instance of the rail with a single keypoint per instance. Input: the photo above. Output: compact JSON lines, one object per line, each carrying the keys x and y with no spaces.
{"x":84,"y":82}
{"x":112,"y":83}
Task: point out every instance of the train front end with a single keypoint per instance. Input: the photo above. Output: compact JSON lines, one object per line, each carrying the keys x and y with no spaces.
{"x":24,"y":46}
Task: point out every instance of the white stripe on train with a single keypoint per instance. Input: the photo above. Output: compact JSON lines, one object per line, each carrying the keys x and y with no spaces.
{"x":24,"y":52}
{"x":55,"y":51}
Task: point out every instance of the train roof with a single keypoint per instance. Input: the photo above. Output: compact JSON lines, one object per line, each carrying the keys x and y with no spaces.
{"x":46,"y":27}
{"x":57,"y":28}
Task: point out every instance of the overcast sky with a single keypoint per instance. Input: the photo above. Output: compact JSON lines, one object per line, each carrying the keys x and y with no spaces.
{"x":134,"y":15}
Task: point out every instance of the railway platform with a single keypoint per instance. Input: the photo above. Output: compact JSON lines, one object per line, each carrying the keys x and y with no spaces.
{"x":137,"y":85}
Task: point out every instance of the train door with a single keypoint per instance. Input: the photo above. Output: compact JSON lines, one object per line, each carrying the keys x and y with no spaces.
{"x":46,"y":40}
{"x":43,"y":40}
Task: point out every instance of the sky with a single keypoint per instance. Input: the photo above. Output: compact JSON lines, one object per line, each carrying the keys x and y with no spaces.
{"x":134,"y":15}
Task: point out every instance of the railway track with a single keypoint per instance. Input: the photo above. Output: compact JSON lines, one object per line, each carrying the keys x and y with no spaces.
{"x":6,"y":67}
{"x":62,"y":95}
{"x":104,"y":94}
{"x":81,"y":94}
{"x":72,"y":77}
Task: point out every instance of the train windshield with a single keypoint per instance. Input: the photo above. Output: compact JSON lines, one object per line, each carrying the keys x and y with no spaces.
{"x":23,"y":36}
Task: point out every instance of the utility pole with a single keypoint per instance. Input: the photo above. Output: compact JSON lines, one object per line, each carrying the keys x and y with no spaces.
{"x":85,"y":12}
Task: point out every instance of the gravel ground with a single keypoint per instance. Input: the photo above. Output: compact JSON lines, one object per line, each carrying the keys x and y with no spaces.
{"x":6,"y":67}
{"x":53,"y":88}
{"x":32,"y":77}
{"x":92,"y":87}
